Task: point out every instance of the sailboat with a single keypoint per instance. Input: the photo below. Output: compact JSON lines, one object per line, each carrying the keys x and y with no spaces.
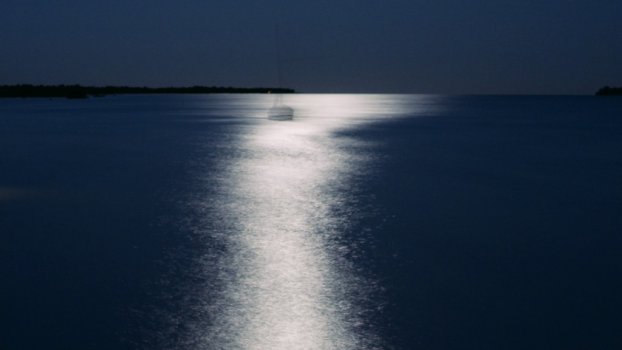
{"x":279,"y":110}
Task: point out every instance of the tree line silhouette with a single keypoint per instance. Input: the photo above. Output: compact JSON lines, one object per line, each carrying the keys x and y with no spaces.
{"x":78,"y":91}
{"x":609,"y":91}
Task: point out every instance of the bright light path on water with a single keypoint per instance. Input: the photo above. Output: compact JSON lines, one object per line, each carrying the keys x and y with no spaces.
{"x":281,"y":203}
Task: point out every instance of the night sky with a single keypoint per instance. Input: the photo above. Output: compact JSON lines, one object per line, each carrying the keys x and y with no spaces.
{"x":413,"y":46}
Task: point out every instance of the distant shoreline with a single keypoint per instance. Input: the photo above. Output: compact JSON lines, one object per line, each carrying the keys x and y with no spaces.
{"x":81,"y":92}
{"x":609,"y":91}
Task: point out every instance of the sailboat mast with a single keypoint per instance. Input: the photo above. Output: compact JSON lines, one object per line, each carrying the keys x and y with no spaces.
{"x":279,"y":69}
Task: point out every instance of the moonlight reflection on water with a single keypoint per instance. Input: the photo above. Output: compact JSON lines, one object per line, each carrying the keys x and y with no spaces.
{"x":278,"y":210}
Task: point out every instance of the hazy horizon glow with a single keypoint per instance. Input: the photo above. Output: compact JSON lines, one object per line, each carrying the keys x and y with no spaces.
{"x":448,"y":47}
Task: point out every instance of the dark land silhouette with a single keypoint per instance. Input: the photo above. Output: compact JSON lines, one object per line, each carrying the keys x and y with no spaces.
{"x":78,"y":91}
{"x":609,"y":91}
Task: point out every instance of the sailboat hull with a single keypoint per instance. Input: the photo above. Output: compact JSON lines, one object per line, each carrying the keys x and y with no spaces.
{"x":281,"y":113}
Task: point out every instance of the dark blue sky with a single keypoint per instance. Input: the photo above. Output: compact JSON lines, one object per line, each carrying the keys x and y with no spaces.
{"x":436,"y":46}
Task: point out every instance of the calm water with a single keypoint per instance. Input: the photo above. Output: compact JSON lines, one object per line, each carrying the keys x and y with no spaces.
{"x":367,"y":222}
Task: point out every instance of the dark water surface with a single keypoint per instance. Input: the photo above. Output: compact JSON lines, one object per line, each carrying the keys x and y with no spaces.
{"x":367,"y":222}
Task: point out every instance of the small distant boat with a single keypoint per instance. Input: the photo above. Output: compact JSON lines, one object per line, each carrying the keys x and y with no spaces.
{"x":280,"y":112}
